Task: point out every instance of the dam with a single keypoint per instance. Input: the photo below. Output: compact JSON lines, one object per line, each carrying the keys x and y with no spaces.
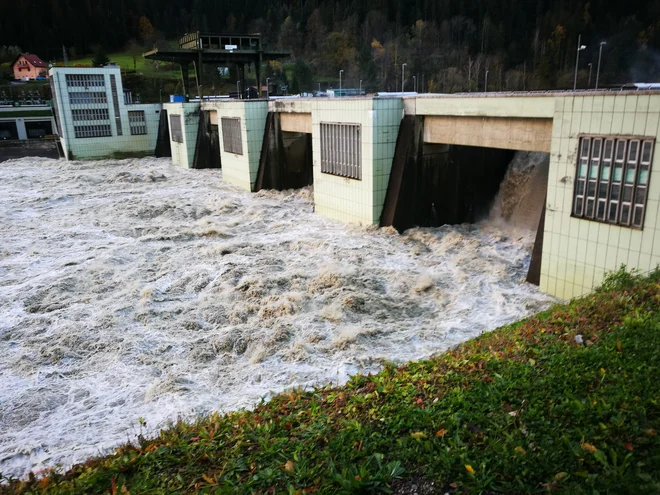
{"x":414,"y":160}
{"x":291,"y":242}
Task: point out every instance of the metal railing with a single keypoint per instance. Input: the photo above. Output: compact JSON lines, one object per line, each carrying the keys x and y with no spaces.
{"x":24,"y":98}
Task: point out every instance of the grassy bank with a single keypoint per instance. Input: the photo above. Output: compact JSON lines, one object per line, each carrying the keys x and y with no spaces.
{"x":141,"y":65}
{"x":567,"y":401}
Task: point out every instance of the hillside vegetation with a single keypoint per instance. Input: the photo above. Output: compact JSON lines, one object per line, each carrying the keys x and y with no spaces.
{"x":449,"y":45}
{"x":139,"y":64}
{"x":567,"y":401}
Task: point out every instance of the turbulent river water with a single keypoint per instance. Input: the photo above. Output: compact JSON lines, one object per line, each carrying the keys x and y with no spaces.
{"x":133,"y":289}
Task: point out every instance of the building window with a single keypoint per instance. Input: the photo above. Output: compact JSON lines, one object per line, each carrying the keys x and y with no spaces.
{"x":85,"y":81}
{"x":79,"y":115}
{"x":115,"y":103}
{"x":612,"y":179}
{"x":8,"y":130}
{"x":92,"y":131}
{"x":341,"y":150}
{"x":231,"y":135}
{"x":137,"y":122}
{"x":37,"y":129}
{"x":175,"y":126}
{"x":80,"y":98}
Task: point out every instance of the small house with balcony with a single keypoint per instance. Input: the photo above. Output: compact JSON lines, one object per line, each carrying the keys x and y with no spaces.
{"x":29,"y":66}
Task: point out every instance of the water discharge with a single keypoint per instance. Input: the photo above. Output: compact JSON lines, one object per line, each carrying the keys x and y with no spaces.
{"x":134,"y":289}
{"x":520,"y":199}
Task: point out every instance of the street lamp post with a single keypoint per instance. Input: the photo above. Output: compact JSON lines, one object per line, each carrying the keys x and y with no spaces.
{"x":267,"y":87}
{"x":577,"y":60}
{"x":589,"y":83}
{"x":360,"y":87}
{"x":600,"y":54}
{"x":486,"y":83}
{"x":415,"y":83}
{"x":403,"y":77}
{"x":340,"y":73}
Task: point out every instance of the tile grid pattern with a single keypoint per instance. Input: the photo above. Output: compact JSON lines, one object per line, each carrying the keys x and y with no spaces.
{"x":183,"y":153}
{"x":99,"y":147}
{"x":241,"y":169}
{"x":351,"y":200}
{"x":577,"y":252}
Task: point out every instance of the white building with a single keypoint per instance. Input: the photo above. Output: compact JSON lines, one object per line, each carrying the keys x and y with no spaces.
{"x":95,"y":119}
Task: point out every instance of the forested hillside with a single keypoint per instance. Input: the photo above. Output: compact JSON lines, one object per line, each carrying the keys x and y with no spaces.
{"x":523,"y":44}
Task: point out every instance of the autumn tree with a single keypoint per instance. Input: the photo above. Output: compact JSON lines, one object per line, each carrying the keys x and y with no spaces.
{"x":147,"y":31}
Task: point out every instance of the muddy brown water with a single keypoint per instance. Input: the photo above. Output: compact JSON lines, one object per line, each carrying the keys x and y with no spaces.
{"x":134,"y":289}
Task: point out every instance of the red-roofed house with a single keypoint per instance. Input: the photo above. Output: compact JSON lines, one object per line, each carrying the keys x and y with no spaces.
{"x":28,"y":65}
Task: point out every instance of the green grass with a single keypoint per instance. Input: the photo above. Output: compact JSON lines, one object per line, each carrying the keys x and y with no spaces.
{"x":523,"y":409}
{"x":125,"y":61}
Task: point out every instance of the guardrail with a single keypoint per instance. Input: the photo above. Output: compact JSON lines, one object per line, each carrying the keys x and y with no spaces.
{"x":24,"y":98}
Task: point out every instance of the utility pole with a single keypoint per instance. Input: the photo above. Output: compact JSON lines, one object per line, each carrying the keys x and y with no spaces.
{"x":600,"y":54}
{"x":469,"y":75}
{"x":340,"y":73}
{"x":580,"y":47}
{"x":589,"y":83}
{"x":486,"y":83}
{"x":403,"y":77}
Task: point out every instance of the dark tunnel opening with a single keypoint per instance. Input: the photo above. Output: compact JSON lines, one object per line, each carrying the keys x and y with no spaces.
{"x":436,"y":184}
{"x":450,"y":185}
{"x":297,"y":169}
{"x":286,"y":160}
{"x":207,"y":147}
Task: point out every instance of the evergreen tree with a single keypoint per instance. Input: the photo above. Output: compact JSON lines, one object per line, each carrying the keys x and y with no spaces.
{"x":100,"y":58}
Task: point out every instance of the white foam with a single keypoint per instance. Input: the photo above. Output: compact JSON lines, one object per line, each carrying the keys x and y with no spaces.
{"x":134,"y":289}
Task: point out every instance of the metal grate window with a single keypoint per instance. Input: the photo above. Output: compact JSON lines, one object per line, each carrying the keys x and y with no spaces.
{"x":231,"y":135}
{"x":85,"y":81}
{"x":115,"y":103}
{"x":341,"y":150}
{"x":90,"y":114}
{"x":175,"y":126}
{"x":137,"y":122}
{"x":92,"y":131}
{"x":79,"y":98}
{"x":612,"y":179}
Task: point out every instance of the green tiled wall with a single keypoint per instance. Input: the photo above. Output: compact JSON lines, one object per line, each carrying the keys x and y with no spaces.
{"x":578,"y":252}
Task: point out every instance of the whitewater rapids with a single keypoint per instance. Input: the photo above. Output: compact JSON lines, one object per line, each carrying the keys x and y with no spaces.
{"x":133,"y":289}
